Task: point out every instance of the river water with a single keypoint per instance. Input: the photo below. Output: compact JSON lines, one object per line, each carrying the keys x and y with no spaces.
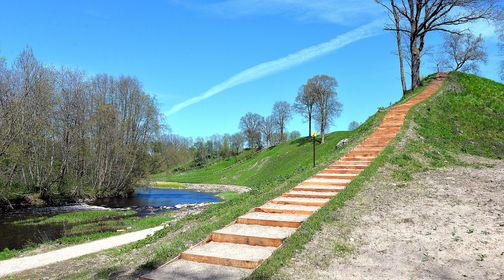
{"x":145,"y":201}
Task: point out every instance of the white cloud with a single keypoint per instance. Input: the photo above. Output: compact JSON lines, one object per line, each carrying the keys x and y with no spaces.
{"x":289,"y":61}
{"x":344,"y":12}
{"x":485,"y":28}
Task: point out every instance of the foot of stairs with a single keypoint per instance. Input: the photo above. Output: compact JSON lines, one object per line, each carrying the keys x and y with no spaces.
{"x":229,"y":254}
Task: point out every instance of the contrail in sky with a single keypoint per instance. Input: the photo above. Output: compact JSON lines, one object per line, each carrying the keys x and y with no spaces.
{"x":291,"y":60}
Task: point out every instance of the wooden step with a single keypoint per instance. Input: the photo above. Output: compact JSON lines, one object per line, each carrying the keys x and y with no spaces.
{"x":272,"y":219}
{"x":300,"y":201}
{"x":352,"y":162}
{"x":310,"y":194}
{"x":318,"y":188}
{"x":287,"y":208}
{"x":254,"y":235}
{"x":346,"y":166}
{"x":325,"y":182}
{"x":341,"y":170}
{"x":229,"y":254}
{"x":334,"y":175}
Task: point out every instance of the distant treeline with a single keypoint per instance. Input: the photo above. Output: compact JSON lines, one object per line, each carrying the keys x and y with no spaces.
{"x":67,"y":135}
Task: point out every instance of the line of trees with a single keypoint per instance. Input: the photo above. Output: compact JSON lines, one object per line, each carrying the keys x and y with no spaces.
{"x":66,"y":135}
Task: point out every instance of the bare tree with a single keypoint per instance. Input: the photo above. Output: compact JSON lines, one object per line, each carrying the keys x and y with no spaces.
{"x":464,"y":52}
{"x":63,"y":134}
{"x":353,"y":125}
{"x":323,"y":87}
{"x":294,"y":135}
{"x":393,"y":14}
{"x":251,"y":125}
{"x":269,"y":131}
{"x":282,"y":115}
{"x":500,"y":32}
{"x":420,"y":17}
{"x":305,"y":104}
{"x":237,"y":141}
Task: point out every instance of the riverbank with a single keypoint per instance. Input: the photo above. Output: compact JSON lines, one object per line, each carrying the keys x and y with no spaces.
{"x":32,"y":231}
{"x":213,"y":188}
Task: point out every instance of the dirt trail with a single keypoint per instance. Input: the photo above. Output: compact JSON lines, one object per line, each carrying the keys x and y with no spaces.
{"x":446,"y":224}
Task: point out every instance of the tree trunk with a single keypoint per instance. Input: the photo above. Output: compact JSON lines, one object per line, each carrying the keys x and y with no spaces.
{"x":399,"y":47}
{"x":415,"y":66}
{"x":309,"y":124}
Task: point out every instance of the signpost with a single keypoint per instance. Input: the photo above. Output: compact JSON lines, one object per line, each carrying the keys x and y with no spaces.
{"x":314,"y":139}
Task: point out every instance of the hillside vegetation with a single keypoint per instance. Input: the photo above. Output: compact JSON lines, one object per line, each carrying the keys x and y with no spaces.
{"x":251,"y":168}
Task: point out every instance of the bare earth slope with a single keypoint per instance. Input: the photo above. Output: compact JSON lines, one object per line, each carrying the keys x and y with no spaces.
{"x":445,"y":224}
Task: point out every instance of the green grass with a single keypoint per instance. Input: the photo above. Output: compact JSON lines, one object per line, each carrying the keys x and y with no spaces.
{"x":467,"y":116}
{"x":79,"y":217}
{"x":160,"y":184}
{"x":255,"y":168}
{"x":228,"y":195}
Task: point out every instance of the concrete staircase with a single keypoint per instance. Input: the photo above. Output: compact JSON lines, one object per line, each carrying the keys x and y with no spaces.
{"x":236,"y":250}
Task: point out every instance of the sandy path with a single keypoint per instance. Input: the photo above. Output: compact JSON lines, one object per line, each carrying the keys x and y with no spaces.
{"x":29,"y":262}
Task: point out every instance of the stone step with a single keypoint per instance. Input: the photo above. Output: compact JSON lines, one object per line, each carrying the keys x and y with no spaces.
{"x":287,"y":208}
{"x":254,"y":235}
{"x":300,"y":201}
{"x":272,"y":219}
{"x":319,"y":188}
{"x":310,"y":194}
{"x":229,"y":254}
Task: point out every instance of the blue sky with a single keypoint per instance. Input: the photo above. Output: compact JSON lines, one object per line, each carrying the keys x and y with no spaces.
{"x":183,"y":49}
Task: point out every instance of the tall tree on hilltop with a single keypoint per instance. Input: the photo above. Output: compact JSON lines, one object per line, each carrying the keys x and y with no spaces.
{"x":418,"y":18}
{"x":305,"y":104}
